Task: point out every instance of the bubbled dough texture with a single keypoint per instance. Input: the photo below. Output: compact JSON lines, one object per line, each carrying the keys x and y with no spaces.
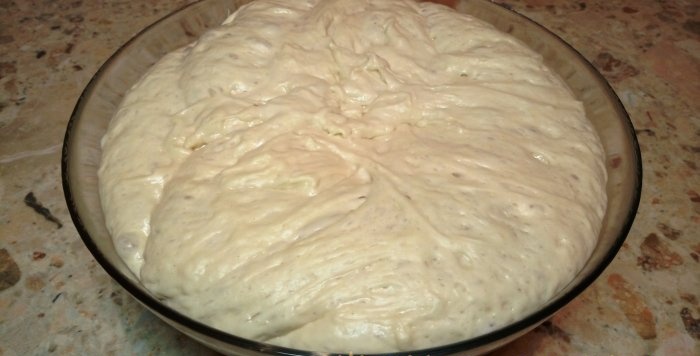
{"x":353,"y":176}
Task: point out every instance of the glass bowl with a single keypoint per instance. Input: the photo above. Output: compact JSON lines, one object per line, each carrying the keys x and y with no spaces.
{"x":81,"y":159}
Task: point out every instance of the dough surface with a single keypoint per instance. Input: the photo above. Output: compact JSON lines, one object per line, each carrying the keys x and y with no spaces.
{"x":365,"y":176}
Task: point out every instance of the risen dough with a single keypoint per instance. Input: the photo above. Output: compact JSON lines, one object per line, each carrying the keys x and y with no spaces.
{"x":360,"y":176}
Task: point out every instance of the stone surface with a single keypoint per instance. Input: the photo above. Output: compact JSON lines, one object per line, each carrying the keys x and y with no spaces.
{"x":55,"y":299}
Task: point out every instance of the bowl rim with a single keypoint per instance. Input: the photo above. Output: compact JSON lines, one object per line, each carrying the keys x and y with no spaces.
{"x":528,"y":322}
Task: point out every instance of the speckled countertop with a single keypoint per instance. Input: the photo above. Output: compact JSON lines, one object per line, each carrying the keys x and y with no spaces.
{"x":55,"y":299}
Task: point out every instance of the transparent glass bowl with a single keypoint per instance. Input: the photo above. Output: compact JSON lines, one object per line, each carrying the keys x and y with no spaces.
{"x":81,"y":158}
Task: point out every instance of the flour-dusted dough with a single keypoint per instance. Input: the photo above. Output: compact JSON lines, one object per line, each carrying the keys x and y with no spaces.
{"x":361,"y":176}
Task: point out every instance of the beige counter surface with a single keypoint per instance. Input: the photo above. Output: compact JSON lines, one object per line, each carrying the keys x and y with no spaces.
{"x":55,"y":299}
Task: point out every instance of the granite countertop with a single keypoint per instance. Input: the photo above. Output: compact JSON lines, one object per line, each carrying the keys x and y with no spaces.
{"x":55,"y":299}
